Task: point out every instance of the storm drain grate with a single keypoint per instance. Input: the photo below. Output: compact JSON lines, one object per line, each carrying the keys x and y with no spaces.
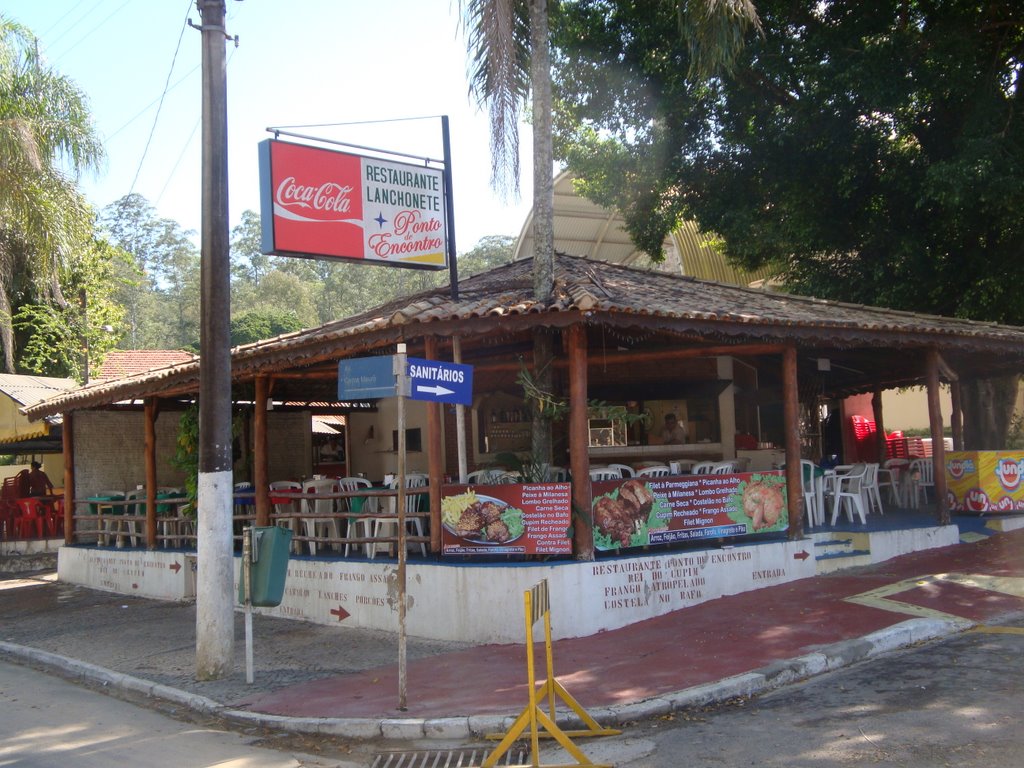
{"x":471,"y":757}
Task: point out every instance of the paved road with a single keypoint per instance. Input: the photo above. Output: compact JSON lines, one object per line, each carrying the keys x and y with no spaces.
{"x":955,"y":702}
{"x":46,"y":722}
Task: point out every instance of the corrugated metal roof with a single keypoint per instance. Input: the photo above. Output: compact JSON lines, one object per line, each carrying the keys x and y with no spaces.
{"x":583,"y":228}
{"x":28,"y":390}
{"x":596,"y":293}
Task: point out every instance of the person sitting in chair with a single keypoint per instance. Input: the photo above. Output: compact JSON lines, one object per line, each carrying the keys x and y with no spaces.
{"x":38,"y":482}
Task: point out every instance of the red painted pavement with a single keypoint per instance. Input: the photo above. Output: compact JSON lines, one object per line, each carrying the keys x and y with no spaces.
{"x":708,"y":642}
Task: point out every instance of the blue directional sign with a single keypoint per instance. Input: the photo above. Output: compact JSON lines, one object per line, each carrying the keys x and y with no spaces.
{"x":367,"y":378}
{"x":440,"y":382}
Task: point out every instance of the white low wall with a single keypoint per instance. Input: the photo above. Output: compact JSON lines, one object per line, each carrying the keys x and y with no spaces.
{"x":484,"y":603}
{"x":158,"y":575}
{"x":478,"y":603}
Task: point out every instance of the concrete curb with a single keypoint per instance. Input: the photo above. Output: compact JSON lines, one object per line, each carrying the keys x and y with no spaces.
{"x":776,"y":675}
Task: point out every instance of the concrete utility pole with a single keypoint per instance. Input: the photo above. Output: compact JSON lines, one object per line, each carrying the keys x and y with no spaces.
{"x":215,"y":637}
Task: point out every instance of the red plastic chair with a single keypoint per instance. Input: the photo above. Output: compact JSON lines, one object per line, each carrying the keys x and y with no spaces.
{"x":55,"y":518}
{"x":31,"y":521}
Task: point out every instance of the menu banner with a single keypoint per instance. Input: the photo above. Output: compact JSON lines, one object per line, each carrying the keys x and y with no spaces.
{"x":515,"y":519}
{"x":322,"y":203}
{"x":660,"y":510}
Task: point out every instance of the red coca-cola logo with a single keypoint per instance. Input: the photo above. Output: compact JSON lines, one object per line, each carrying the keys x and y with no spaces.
{"x":976,"y":500}
{"x":1009,"y":471}
{"x":318,"y":200}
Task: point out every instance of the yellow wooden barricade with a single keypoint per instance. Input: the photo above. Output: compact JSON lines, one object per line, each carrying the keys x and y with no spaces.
{"x":537,"y":605}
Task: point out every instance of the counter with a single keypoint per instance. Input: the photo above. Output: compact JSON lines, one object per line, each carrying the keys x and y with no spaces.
{"x":691,"y":451}
{"x":762,"y":459}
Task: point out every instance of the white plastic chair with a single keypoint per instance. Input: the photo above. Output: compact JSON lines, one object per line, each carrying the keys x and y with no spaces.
{"x":350,"y":484}
{"x":624,"y":470}
{"x":389,"y":525}
{"x":723,"y":468}
{"x":316,"y":522}
{"x":812,"y":499}
{"x":890,"y":476}
{"x":484,"y":476}
{"x":656,"y":471}
{"x":922,"y":477}
{"x":290,"y":507}
{"x":131,"y":527}
{"x":604,"y":473}
{"x":869,"y":487}
{"x":846,"y":494}
{"x":703,"y":467}
{"x":556,"y":474}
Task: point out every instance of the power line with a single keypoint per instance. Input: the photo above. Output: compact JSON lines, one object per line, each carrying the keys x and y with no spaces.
{"x":89,"y":34}
{"x":74,"y":23}
{"x":156,"y":118}
{"x":184,"y":148}
{"x":146,"y":108}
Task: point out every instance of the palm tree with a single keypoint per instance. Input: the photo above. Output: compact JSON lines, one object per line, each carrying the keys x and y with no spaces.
{"x":46,"y":140}
{"x":509,"y":48}
{"x":508,"y":43}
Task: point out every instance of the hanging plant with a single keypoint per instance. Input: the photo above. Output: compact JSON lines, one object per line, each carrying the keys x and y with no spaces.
{"x":553,"y":408}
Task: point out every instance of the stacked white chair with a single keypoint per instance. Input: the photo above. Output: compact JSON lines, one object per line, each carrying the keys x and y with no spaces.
{"x":317,"y":523}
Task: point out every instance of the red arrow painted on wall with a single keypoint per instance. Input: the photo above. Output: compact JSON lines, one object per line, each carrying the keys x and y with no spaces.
{"x":340,"y":612}
{"x":175,"y":567}
{"x":801,"y":555}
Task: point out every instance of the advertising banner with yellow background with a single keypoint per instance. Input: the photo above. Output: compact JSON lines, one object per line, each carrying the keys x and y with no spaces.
{"x":985,"y":481}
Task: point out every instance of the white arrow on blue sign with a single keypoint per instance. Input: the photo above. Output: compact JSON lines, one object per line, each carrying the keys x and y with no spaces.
{"x":439,"y":381}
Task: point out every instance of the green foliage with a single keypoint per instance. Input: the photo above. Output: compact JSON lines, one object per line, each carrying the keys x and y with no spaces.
{"x":867,"y":151}
{"x":254,"y":326}
{"x":186,"y":457}
{"x":160,"y":284}
{"x":46,"y":140}
{"x":52,"y":337}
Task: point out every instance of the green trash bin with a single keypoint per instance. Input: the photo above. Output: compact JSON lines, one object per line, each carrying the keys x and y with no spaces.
{"x":270,"y":548}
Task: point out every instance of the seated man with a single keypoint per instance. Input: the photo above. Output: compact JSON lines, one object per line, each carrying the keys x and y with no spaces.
{"x":38,"y":483}
{"x":674,"y":432}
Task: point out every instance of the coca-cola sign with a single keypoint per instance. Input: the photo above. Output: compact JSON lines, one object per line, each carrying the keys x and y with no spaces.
{"x":320,"y":203}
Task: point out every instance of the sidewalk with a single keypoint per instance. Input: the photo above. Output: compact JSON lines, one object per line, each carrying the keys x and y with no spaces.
{"x":314,"y":678}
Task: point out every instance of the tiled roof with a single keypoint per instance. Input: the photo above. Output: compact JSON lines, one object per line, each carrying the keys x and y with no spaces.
{"x":595,"y":293}
{"x":119,"y":363}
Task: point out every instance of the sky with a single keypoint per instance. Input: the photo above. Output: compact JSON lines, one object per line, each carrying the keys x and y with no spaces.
{"x":312,"y":63}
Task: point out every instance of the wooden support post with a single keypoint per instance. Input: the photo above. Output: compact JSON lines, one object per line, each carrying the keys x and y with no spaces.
{"x":260,"y":470}
{"x":68,"y":444}
{"x":938,"y":444}
{"x":579,"y":443}
{"x":791,"y":432}
{"x":150,"y":410}
{"x":957,"y":416}
{"x":435,"y":455}
{"x":876,"y":410}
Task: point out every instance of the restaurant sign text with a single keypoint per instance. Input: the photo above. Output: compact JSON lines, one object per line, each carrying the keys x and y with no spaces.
{"x":322,"y":203}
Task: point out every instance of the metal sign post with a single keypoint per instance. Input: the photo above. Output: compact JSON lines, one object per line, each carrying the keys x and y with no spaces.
{"x":402,"y":387}
{"x":247,"y":577}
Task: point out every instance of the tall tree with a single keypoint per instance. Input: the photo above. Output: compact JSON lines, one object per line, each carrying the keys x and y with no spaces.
{"x":509,"y":46}
{"x":160,"y":288}
{"x":46,"y":140}
{"x":70,"y":340}
{"x":869,"y":151}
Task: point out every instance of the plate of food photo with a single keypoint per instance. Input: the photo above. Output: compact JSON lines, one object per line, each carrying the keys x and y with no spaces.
{"x":481,"y":519}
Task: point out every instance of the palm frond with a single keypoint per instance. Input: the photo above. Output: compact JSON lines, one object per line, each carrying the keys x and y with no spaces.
{"x":714,"y":31}
{"x":498,"y":40}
